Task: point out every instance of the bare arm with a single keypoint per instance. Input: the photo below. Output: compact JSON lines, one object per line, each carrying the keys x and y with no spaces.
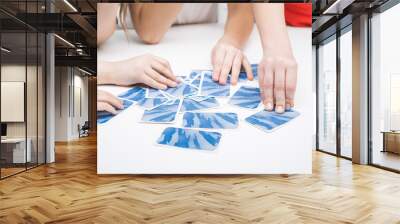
{"x":152,"y":20}
{"x":106,"y":20}
{"x":227,"y":54}
{"x":278,"y":68}
{"x":270,"y":20}
{"x":239,"y":23}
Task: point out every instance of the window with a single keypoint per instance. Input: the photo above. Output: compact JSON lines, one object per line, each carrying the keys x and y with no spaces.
{"x":327,"y":97}
{"x":22,"y":77}
{"x":385,"y":89}
{"x":346,"y":74}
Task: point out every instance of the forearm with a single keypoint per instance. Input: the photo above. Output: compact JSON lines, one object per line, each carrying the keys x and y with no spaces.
{"x":270,"y":20}
{"x":239,"y":24}
{"x":105,"y":72}
{"x":152,"y":20}
{"x":106,"y":21}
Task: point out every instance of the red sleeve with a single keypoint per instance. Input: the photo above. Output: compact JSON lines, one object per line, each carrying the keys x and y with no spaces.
{"x":298,"y":14}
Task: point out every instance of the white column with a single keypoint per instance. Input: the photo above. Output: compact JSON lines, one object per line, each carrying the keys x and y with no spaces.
{"x":360,"y":90}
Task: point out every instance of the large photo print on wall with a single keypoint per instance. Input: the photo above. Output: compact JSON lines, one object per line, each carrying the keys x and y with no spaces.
{"x":209,"y":88}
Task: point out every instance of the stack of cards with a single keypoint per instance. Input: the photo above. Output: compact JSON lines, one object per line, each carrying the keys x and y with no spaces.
{"x":269,"y":121}
{"x":246,"y":97}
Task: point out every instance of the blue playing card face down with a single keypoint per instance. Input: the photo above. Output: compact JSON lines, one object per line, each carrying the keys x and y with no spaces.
{"x":210,"y":120}
{"x":243,"y":74}
{"x":134,"y":94}
{"x":209,"y":87}
{"x":164,"y":113}
{"x":195,"y":78}
{"x":155,"y":93}
{"x":195,"y":103}
{"x":183,"y":89}
{"x":189,"y":139}
{"x":150,"y":103}
{"x":246,"y":97}
{"x":268,"y":121}
{"x":104,"y":116}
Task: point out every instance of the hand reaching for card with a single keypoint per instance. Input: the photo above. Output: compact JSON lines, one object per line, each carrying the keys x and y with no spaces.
{"x":146,"y":69}
{"x":107,"y":102}
{"x":277,"y":79}
{"x":225,"y":58}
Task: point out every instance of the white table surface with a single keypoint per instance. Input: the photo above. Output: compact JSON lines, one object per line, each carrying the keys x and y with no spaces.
{"x":126,"y":146}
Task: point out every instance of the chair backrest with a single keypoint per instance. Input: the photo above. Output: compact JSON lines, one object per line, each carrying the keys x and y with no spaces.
{"x":86,"y":125}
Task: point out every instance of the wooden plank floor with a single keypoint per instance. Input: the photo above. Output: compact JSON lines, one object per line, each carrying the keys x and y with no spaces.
{"x":69,"y":191}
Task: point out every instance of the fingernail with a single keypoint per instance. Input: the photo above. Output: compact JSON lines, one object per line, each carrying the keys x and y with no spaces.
{"x":279,"y":109}
{"x":288,"y":106}
{"x":269,"y":106}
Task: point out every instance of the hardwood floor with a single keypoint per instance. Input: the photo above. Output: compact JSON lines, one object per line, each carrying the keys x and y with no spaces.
{"x":70,"y":191}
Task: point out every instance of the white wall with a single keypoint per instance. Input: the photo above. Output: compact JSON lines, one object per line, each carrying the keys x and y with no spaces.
{"x":69,"y":85}
{"x":314,"y":86}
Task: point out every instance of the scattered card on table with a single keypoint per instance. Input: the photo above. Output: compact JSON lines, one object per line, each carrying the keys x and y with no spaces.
{"x":195,"y":78}
{"x":150,"y":103}
{"x":189,"y":139}
{"x":127,"y":103}
{"x":183,"y":89}
{"x":154,"y":93}
{"x":246,"y":97}
{"x":134,"y":94}
{"x":103,"y":117}
{"x":243,"y":74}
{"x":165,"y":113}
{"x":269,"y":121}
{"x":209,"y":87}
{"x":198,"y":103}
{"x":210,"y":120}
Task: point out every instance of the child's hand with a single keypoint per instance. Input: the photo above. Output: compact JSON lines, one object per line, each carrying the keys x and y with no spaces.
{"x":226,"y":57}
{"x":277,"y":78}
{"x":108,"y":102}
{"x":147,"y":69}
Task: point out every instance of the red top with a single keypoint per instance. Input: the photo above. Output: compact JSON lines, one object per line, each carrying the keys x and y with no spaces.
{"x":298,"y":14}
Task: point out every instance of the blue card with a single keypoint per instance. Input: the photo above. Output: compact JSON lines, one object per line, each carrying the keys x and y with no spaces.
{"x":150,"y":103}
{"x":155,"y":93}
{"x":189,"y":139}
{"x":210,"y":120}
{"x":104,"y":116}
{"x":211,"y":88}
{"x":243,"y":74}
{"x":183,"y":89}
{"x":195,"y":78}
{"x":269,"y":121}
{"x":246,"y":97}
{"x":196,"y":103}
{"x":126,"y":103}
{"x":134,"y":94}
{"x":165,"y":113}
